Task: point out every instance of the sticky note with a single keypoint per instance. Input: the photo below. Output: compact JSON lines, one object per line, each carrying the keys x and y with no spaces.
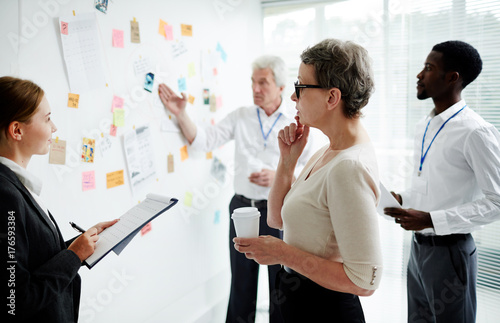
{"x":191,"y":70}
{"x":64,"y":28}
{"x":181,"y":83}
{"x":161,"y":28}
{"x":191,"y":99}
{"x":188,"y":199}
{"x":112,"y":130}
{"x":117,"y":103}
{"x":186,"y":30}
{"x":219,"y":102}
{"x":73,"y":100}
{"x":114,"y":179}
{"x":135,"y":36}
{"x":209,"y":155}
{"x":213,"y":103}
{"x":170,"y":163}
{"x":146,"y":229}
{"x":184,"y":153}
{"x":169,"y":32}
{"x":57,"y":154}
{"x":217,"y":217}
{"x":223,"y":54}
{"x":88,"y":180}
{"x":117,"y":38}
{"x":88,"y":150}
{"x":119,"y":117}
{"x":215,"y":71}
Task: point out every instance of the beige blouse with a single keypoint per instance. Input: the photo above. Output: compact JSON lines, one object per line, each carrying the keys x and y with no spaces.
{"x":332,"y":214}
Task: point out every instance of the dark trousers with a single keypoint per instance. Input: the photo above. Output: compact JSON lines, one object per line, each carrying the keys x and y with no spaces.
{"x":441,"y":281}
{"x":302,"y":300}
{"x":245,"y":274}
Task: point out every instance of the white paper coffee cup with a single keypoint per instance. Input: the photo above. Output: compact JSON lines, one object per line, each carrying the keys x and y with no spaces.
{"x":246,"y":222}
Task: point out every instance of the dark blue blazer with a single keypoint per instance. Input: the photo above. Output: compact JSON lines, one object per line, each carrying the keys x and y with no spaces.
{"x":40,"y":275}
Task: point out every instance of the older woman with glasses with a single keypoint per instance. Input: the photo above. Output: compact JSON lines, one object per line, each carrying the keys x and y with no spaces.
{"x":331,"y":251}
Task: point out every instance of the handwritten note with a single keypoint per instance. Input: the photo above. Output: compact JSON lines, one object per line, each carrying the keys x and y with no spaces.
{"x":73,"y":100}
{"x":117,"y":103}
{"x":169,"y":32}
{"x":64,"y":28}
{"x":119,"y":117}
{"x":57,"y":153}
{"x":135,"y":36}
{"x":104,"y":145}
{"x":117,"y":38}
{"x":88,"y":149}
{"x":184,"y":153}
{"x":88,"y":180}
{"x":181,"y":83}
{"x":170,"y":163}
{"x":186,"y":30}
{"x":114,"y":179}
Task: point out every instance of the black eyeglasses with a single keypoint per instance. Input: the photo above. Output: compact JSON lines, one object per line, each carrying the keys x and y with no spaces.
{"x":304,"y":86}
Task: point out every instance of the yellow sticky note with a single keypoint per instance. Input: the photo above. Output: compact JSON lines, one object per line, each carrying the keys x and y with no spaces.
{"x":186,"y":30}
{"x":184,"y":153}
{"x":161,"y":28}
{"x":188,"y":199}
{"x":170,"y":163}
{"x":114,"y":179}
{"x":119,"y":117}
{"x":191,"y":99}
{"x":57,"y":154}
{"x":73,"y":100}
{"x":191,"y":70}
{"x":209,"y":155}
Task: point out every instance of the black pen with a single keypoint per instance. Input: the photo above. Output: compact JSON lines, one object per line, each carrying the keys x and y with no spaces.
{"x":76,"y":227}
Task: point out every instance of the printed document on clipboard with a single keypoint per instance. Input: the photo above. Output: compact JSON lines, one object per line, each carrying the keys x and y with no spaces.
{"x":118,"y":236}
{"x":386,"y":200}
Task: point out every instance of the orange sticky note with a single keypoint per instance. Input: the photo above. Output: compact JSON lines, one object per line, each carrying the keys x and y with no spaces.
{"x":186,"y":30}
{"x":114,"y":179}
{"x":73,"y":100}
{"x":191,"y":99}
{"x":161,"y":29}
{"x":184,"y":153}
{"x":209,"y":155}
{"x":64,"y":28}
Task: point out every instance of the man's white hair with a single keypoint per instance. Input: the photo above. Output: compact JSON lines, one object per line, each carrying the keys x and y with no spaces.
{"x":276,"y":64}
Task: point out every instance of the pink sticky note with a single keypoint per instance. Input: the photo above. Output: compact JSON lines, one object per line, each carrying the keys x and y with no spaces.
{"x":88,"y":180}
{"x":64,"y":28}
{"x":215,"y":70}
{"x":219,"y":102}
{"x":117,"y":38}
{"x":117,"y":103}
{"x":146,"y":229}
{"x":112,"y":131}
{"x":169,"y":32}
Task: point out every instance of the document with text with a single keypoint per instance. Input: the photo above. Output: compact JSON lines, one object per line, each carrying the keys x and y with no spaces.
{"x":119,"y":235}
{"x":386,"y":200}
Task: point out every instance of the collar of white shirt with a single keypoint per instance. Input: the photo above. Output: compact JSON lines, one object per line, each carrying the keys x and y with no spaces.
{"x":445,"y":115}
{"x":31,"y":182}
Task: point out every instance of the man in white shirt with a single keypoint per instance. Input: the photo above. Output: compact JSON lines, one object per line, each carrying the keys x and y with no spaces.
{"x":255,"y":132}
{"x":455,"y":189}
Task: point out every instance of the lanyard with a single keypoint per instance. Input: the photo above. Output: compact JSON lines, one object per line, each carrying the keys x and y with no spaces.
{"x":422,"y":155}
{"x":262,"y":129}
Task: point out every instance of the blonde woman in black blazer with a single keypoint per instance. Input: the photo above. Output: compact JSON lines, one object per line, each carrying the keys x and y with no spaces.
{"x":40,"y":275}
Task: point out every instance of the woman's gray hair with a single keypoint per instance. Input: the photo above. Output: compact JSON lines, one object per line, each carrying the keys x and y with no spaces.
{"x":344,"y":65}
{"x":276,"y":64}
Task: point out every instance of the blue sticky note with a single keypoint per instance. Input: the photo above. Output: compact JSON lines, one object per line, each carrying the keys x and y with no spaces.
{"x":181,"y":83}
{"x":223,"y":54}
{"x":217,"y":217}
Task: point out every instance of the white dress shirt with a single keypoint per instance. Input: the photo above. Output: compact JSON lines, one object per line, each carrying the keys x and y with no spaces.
{"x":252,"y":152}
{"x":31,"y":182}
{"x":460,"y":180}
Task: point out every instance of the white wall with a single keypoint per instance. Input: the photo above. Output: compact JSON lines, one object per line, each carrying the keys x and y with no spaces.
{"x":179,"y":271}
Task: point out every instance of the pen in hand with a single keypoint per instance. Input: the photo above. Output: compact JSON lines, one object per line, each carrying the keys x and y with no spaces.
{"x":76,"y":227}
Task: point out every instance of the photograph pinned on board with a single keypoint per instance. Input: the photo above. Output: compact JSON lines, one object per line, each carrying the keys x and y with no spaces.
{"x":206,"y":96}
{"x":148,"y":83}
{"x":101,"y":5}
